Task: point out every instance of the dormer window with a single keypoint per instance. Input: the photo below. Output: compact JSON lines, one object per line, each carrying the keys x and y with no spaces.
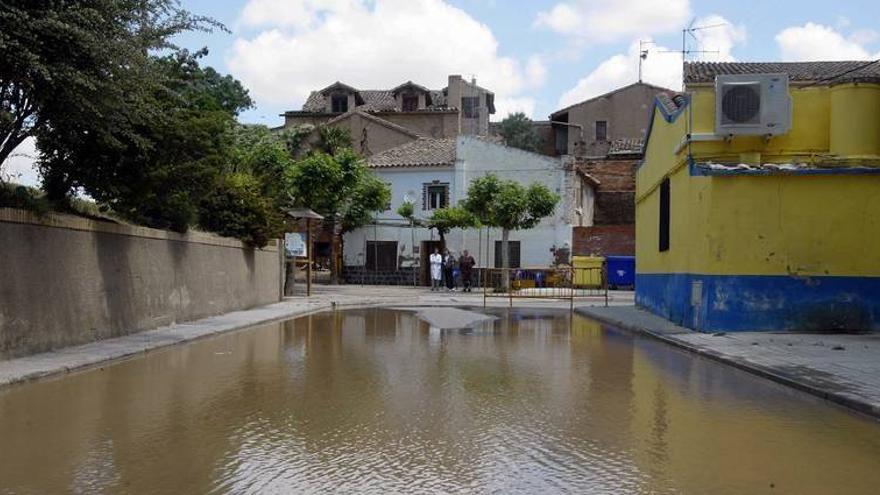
{"x":339,"y":103}
{"x":410,"y":103}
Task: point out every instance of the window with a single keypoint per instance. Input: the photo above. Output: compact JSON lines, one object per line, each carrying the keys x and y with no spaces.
{"x":410,"y":103}
{"x":381,"y":255}
{"x":601,"y":130}
{"x":339,"y":103}
{"x":512,"y":254}
{"x":470,"y":106}
{"x":435,"y":195}
{"x":664,"y":215}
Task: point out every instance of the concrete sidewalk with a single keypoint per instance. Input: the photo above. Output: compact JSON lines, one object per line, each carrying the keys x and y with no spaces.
{"x":841,"y":368}
{"x":325,"y":298}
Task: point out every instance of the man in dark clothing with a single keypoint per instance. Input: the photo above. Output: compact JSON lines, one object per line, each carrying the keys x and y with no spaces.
{"x":465,"y":266}
{"x":448,"y":269}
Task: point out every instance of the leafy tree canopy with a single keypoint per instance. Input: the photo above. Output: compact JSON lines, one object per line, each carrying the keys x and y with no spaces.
{"x":507,"y":204}
{"x":451,"y":217}
{"x":339,"y":186}
{"x":518,"y":131}
{"x":159,"y":154}
{"x":83,"y":58}
{"x":407,"y":210}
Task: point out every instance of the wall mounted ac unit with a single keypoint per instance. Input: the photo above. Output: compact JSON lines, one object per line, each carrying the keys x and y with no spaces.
{"x":752,"y":104}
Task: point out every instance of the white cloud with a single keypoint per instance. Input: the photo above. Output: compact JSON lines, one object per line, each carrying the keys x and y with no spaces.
{"x":610,"y":20}
{"x":20,"y":166}
{"x":720,"y":36}
{"x":536,"y":71}
{"x":818,"y":42}
{"x":661,"y":69}
{"x":305,"y":45}
{"x":507,"y":106}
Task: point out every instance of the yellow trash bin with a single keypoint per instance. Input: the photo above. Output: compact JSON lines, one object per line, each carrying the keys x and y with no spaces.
{"x":587,"y":271}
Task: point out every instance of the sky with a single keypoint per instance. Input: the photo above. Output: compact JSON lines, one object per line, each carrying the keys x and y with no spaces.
{"x":536,"y":55}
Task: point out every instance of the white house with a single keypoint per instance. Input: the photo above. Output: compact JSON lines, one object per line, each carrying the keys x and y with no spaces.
{"x":433,"y":173}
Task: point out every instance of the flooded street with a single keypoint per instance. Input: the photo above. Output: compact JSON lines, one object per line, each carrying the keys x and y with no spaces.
{"x":377,"y":401}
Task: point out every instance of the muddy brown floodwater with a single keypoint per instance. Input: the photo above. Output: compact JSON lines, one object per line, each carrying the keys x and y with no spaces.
{"x":376,"y":401}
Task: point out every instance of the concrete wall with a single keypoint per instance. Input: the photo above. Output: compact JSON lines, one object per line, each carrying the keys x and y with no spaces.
{"x":436,"y":124}
{"x":759,"y":249}
{"x":626,"y":111}
{"x":66,"y":280}
{"x":474,"y":158}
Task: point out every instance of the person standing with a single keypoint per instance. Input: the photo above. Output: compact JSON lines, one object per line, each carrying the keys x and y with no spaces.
{"x":436,"y":262}
{"x":465,"y":266}
{"x":448,"y":268}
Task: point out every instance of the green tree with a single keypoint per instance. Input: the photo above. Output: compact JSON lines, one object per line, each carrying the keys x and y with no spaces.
{"x":341,"y":188}
{"x":452,"y":217}
{"x":508,"y":205}
{"x":79,"y":60}
{"x":332,"y":140}
{"x":159,"y":153}
{"x":407,"y":210}
{"x":519,"y":131}
{"x":237,"y":207}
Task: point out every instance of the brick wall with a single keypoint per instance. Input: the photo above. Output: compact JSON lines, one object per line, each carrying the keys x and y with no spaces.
{"x":604,"y":240}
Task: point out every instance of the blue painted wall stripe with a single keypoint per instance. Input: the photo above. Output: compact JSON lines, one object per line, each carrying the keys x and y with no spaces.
{"x":754,"y":303}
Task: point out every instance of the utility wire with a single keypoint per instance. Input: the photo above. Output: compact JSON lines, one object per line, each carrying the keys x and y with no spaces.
{"x":839,"y":75}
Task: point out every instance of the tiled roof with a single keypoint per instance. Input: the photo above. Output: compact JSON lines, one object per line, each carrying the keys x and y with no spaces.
{"x":831,"y":72}
{"x":671,"y":104}
{"x":375,"y":100}
{"x":423,"y":152}
{"x":626,"y":146}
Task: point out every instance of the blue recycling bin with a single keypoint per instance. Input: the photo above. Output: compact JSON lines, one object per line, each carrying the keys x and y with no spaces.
{"x":621,"y":271}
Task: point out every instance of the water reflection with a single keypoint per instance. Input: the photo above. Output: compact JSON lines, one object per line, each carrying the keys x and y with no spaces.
{"x":377,"y":401}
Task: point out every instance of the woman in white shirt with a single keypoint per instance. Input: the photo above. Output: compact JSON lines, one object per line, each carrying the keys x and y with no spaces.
{"x":436,"y":261}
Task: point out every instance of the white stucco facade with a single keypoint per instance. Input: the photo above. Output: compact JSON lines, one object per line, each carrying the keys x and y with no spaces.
{"x":475,"y":158}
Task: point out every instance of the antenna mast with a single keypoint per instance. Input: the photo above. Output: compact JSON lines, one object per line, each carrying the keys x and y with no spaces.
{"x":690,"y":30}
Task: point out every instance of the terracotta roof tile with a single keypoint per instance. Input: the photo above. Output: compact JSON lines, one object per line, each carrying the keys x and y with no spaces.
{"x":423,"y":152}
{"x":830,"y":72}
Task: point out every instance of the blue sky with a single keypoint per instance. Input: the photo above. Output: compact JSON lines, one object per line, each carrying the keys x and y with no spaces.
{"x":567,"y":54}
{"x":536,"y":55}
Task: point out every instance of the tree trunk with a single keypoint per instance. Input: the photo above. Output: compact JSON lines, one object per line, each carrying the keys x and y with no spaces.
{"x":335,"y":241}
{"x":412,"y":233}
{"x":505,"y":259}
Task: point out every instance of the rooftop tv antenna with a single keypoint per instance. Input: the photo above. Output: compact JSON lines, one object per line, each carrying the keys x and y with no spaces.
{"x":689,"y":31}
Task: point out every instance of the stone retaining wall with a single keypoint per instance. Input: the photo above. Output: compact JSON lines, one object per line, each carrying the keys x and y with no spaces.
{"x":67,"y":280}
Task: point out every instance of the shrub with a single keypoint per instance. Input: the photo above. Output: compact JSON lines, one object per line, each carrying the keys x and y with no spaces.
{"x":236,"y":208}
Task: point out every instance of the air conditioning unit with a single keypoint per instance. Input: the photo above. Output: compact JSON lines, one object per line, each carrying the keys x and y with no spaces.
{"x":752,"y":104}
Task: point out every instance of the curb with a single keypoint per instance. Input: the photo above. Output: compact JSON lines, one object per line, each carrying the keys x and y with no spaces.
{"x":846,"y":401}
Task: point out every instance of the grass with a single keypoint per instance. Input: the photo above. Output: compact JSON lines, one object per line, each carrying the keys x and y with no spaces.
{"x":34,"y":200}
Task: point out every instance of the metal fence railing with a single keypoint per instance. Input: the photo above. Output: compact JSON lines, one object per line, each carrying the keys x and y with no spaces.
{"x":566,"y":283}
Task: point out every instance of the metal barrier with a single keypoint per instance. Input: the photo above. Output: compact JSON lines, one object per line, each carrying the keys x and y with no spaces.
{"x":565,"y":283}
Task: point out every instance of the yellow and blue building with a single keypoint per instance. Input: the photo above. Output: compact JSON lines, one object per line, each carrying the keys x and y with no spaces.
{"x":764,"y":232}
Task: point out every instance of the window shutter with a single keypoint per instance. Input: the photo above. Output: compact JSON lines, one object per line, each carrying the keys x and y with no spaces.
{"x":664,"y":215}
{"x":445,"y":195}
{"x":424,"y":196}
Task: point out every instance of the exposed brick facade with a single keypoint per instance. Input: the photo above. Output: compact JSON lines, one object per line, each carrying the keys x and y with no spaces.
{"x":619,"y":240}
{"x":613,"y":230}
